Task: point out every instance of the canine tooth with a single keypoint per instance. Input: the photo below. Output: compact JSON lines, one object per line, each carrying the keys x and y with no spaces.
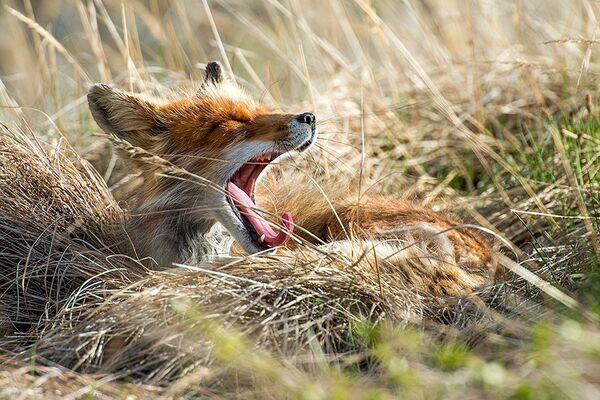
{"x":261,"y":238}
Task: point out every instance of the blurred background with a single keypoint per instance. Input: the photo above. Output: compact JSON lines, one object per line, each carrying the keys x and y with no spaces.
{"x":484,"y":107}
{"x":399,"y":71}
{"x":451,"y":102}
{"x":434,"y":93}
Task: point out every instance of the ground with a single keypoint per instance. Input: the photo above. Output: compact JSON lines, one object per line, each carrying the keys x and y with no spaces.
{"x":486,"y":109}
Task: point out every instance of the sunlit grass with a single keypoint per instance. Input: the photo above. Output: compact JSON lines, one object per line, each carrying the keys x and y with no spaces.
{"x":488,"y":109}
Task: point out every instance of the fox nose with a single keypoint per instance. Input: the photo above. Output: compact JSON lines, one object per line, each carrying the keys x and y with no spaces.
{"x":306,"y":118}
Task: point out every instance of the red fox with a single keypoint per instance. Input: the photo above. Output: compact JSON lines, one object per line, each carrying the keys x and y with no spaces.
{"x":225,"y":137}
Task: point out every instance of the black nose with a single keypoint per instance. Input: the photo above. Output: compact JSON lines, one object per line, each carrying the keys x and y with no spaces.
{"x":306,"y":118}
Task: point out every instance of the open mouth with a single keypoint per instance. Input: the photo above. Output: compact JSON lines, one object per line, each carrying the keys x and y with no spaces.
{"x":241,"y":191}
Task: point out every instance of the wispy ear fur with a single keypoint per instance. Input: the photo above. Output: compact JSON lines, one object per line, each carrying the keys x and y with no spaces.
{"x":213,"y":75}
{"x":213,"y":72}
{"x":125,"y":115}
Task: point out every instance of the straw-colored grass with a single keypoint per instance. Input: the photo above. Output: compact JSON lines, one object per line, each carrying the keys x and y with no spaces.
{"x":486,"y":109}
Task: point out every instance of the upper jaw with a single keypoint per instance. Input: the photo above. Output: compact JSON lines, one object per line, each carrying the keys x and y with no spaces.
{"x":301,"y":136}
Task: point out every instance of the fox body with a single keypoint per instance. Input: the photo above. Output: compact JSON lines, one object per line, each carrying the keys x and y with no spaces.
{"x":225,"y":140}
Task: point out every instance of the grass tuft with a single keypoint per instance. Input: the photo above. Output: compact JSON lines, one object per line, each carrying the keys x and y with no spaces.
{"x":485,"y":109}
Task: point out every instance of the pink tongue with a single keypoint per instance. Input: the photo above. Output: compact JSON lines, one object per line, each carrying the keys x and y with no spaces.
{"x":246,"y":206}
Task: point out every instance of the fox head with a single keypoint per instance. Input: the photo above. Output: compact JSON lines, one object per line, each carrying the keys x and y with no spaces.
{"x":219,"y":134}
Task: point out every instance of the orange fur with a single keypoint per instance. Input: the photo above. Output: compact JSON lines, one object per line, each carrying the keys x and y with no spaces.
{"x":209,"y":134}
{"x":385,"y":219}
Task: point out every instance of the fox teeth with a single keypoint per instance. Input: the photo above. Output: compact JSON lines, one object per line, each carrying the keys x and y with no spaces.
{"x":261,"y":239}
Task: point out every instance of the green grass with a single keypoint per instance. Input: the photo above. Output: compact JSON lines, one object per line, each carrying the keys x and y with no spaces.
{"x":539,"y":187}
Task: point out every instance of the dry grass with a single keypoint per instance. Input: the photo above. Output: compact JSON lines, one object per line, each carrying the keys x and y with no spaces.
{"x":87,"y":306}
{"x":484,"y":108}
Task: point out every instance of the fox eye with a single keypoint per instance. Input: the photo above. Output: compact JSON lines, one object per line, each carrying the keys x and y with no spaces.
{"x":239,"y":119}
{"x":213,"y":127}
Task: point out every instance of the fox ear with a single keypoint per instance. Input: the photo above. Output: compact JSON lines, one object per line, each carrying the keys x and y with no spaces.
{"x":127,"y":116}
{"x":213,"y":73}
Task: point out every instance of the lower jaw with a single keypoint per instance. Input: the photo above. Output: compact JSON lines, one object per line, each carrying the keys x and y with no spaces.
{"x":252,"y":233}
{"x":252,"y":236}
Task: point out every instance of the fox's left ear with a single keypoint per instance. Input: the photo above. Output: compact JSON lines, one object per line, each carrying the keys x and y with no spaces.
{"x":213,"y":73}
{"x":126,"y":115}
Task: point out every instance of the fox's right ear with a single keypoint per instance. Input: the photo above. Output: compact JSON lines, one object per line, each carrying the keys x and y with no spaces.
{"x":128,"y":116}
